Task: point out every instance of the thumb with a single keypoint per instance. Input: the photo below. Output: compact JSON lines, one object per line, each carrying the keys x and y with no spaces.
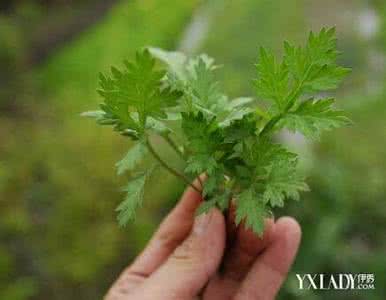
{"x":192,"y":263}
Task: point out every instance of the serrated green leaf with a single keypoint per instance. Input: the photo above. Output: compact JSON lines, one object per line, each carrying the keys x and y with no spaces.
{"x":272,"y":81}
{"x":158,"y":126}
{"x":203,"y":139}
{"x":97,"y":114}
{"x":240,"y":129}
{"x":176,"y":61}
{"x":205,"y":207}
{"x":314,"y":66}
{"x":196,"y":78}
{"x":214,"y":182}
{"x":283,"y":182}
{"x":312,"y":117}
{"x":223,"y":200}
{"x":326,"y":78}
{"x":131,"y":159}
{"x":220,"y":201}
{"x":263,"y":153}
{"x":239,"y":102}
{"x":235,"y":114}
{"x":134,"y":197}
{"x":251,"y":209}
{"x":200,"y":163}
{"x":138,"y":88}
{"x":203,"y":86}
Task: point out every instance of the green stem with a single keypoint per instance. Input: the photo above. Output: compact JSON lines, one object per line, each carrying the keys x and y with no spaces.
{"x":167,"y":167}
{"x":268,"y":127}
{"x":261,"y":113}
{"x":173,"y":145}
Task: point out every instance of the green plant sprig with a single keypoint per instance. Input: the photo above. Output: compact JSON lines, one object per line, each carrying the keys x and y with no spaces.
{"x":230,"y":140}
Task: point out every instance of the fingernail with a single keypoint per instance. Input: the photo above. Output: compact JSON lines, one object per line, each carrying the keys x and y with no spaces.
{"x":201,"y":222}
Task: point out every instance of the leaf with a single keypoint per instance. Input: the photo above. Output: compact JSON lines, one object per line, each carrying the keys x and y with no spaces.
{"x":239,"y":102}
{"x":205,"y":206}
{"x":236,"y":114}
{"x":314,"y":67}
{"x":203,"y":139}
{"x":312,"y":117}
{"x":176,"y":61}
{"x":220,"y":201}
{"x":262,"y":153}
{"x":132,"y":158}
{"x":259,"y":158}
{"x":97,"y":114}
{"x":214,"y":182}
{"x":203,"y":87}
{"x":196,"y":78}
{"x":251,"y":210}
{"x":138,"y":88}
{"x":283,"y":182}
{"x":240,"y":129}
{"x":158,"y":126}
{"x":272,"y":81}
{"x":200,"y":163}
{"x":223,"y":200}
{"x":134,"y":197}
{"x":228,"y":111}
{"x":303,"y":71}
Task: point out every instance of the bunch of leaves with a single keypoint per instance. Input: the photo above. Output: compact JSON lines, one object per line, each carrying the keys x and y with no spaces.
{"x":232,"y":141}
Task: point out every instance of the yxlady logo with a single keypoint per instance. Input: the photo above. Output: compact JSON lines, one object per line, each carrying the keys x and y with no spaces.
{"x":336,"y":281}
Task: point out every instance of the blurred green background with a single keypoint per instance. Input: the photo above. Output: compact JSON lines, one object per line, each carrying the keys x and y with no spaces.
{"x":58,"y":235}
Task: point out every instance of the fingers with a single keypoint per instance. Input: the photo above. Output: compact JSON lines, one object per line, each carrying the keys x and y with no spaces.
{"x":238,"y":260}
{"x":192,"y":263}
{"x":270,"y":269}
{"x":172,"y":231}
{"x":244,"y":251}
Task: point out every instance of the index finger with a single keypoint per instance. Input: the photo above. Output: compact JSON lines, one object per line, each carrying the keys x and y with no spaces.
{"x":172,"y":231}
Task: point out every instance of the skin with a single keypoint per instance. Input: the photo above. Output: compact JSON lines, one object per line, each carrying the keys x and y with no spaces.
{"x":208,"y":257}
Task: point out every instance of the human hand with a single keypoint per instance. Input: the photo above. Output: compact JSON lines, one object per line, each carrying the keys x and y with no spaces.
{"x":209,"y":258}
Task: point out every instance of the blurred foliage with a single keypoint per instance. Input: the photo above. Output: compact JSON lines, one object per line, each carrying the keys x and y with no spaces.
{"x":21,"y":26}
{"x":244,"y":26}
{"x":58,"y":189}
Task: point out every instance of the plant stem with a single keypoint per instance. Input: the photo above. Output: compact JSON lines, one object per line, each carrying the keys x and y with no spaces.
{"x":172,"y":144}
{"x":267,"y":128}
{"x":167,"y":167}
